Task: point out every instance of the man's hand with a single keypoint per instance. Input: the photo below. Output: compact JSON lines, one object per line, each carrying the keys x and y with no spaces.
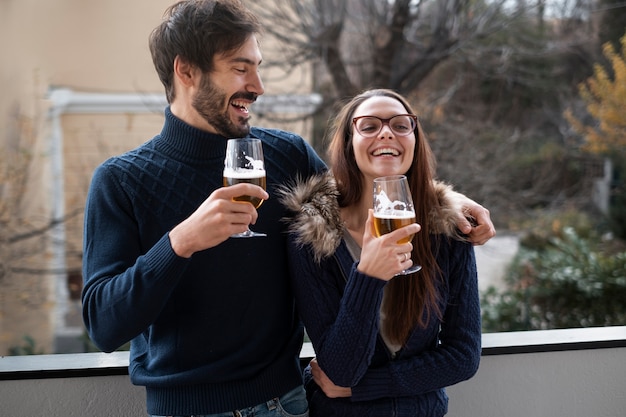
{"x":474,"y":221}
{"x":330,"y":389}
{"x":217,"y":218}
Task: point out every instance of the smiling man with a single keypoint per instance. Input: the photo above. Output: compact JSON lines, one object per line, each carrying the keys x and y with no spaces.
{"x":211,"y":319}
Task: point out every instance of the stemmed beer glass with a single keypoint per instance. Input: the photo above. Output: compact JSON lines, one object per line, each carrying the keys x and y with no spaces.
{"x":393,"y":209}
{"x":244,"y":163}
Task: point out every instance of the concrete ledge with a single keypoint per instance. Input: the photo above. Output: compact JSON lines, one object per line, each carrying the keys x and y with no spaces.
{"x":116,"y":363}
{"x":553,"y":340}
{"x":69,"y":365}
{"x":556,"y":373}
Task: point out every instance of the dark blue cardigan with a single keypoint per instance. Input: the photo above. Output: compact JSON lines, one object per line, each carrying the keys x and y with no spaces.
{"x":213,"y":333}
{"x":340,"y":310}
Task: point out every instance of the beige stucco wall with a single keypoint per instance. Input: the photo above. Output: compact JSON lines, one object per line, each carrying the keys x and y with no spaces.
{"x":86,"y":46}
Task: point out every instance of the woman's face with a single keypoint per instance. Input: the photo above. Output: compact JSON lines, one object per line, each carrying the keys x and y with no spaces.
{"x":386,"y":153}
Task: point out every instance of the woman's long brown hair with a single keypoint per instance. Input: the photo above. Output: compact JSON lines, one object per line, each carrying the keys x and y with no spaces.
{"x":411,"y":299}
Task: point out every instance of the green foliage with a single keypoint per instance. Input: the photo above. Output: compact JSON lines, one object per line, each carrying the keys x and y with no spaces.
{"x":560,"y":279}
{"x":27,"y":348}
{"x":543,"y":227}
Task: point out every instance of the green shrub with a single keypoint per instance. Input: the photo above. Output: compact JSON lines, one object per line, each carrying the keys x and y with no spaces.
{"x":27,"y":348}
{"x":559,"y":281}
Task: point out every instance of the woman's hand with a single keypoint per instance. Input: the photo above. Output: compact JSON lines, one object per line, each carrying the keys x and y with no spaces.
{"x":383,"y":257}
{"x":330,"y":389}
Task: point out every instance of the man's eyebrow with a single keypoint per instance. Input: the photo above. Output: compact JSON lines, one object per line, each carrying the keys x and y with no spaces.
{"x":243,"y":60}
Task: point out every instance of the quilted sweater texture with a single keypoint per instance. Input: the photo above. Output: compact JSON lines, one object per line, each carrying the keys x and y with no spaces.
{"x":212,"y":333}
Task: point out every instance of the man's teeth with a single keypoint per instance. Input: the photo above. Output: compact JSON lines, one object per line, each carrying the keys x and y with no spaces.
{"x":240,"y":105}
{"x":386,"y":151}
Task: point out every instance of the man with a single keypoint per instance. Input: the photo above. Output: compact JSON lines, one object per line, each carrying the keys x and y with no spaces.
{"x":211,"y":320}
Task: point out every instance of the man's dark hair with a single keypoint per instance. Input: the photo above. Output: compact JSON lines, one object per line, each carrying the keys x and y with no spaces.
{"x":197,"y":30}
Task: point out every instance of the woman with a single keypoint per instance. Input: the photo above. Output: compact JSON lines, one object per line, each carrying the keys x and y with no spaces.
{"x":384,"y":346}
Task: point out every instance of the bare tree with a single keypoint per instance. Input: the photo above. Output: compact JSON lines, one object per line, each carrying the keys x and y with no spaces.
{"x":374,"y":43}
{"x":23,"y":232}
{"x":28,"y":276}
{"x":13,"y":179}
{"x":487,"y":76}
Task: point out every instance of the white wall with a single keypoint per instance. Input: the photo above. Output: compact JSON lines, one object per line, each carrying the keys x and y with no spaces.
{"x":581,"y":383}
{"x":72,"y":397}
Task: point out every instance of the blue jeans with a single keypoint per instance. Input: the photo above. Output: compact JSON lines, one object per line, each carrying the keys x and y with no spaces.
{"x":292,"y":404}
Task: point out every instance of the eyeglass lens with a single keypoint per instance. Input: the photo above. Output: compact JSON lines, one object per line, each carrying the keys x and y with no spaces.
{"x":401,"y":125}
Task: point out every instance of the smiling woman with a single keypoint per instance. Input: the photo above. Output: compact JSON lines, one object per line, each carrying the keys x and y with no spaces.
{"x":375,"y":325}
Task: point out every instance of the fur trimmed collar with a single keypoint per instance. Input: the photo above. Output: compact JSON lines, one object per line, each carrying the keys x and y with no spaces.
{"x":316,"y":217}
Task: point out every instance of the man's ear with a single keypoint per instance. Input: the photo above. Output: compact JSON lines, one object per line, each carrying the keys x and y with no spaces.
{"x":184,"y":71}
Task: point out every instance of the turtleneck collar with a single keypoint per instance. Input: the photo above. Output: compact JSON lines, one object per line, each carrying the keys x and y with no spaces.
{"x":188,"y":143}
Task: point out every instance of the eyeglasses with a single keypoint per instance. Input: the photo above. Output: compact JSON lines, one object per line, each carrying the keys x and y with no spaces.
{"x":400,"y":125}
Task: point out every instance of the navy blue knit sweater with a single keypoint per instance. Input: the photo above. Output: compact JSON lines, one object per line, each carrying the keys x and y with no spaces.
{"x":340,"y":308}
{"x":212,"y":333}
{"x":342,"y":320}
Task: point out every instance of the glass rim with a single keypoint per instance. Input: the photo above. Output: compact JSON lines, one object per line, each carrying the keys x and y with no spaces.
{"x":244,"y":139}
{"x":398,"y":177}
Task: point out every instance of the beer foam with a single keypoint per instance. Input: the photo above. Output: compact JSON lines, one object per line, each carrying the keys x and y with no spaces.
{"x":244,"y":173}
{"x":395,"y":214}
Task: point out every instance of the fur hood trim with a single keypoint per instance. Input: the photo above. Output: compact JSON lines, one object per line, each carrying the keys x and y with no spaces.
{"x":316,"y":217}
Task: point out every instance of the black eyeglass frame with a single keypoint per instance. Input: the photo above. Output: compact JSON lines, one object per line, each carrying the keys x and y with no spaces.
{"x":385,"y":122}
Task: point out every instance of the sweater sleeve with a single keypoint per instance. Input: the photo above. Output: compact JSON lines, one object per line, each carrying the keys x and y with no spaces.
{"x":455,"y":357}
{"x":125,"y":286}
{"x":341,"y":322}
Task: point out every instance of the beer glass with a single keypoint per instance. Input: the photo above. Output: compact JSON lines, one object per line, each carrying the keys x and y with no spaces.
{"x":244,"y":163}
{"x":393,"y":209}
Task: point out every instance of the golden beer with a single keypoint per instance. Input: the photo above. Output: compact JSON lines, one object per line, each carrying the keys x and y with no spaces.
{"x":388,"y":223}
{"x":256,"y":177}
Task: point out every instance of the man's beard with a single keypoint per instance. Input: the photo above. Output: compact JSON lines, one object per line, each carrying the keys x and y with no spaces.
{"x":208,"y":104}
